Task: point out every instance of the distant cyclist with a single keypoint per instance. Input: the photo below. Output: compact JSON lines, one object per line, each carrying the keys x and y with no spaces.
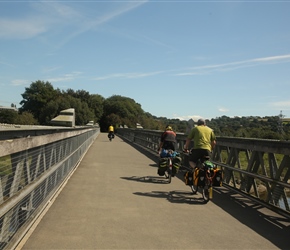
{"x":167,"y":140}
{"x":111,"y":131}
{"x":204,"y":141}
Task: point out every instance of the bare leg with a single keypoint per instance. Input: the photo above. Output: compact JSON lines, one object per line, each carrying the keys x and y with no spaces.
{"x":192,"y":164}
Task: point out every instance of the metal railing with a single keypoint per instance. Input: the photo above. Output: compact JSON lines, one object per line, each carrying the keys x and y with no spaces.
{"x":31,"y":171}
{"x":259,"y":169}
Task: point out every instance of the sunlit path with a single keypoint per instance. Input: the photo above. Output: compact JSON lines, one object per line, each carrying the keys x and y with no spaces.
{"x":115,"y":200}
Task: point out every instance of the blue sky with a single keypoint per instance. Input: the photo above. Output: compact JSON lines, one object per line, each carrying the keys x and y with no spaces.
{"x":177,"y":59}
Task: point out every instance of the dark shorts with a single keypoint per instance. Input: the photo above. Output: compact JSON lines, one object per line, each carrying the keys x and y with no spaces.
{"x":169,"y":145}
{"x":111,"y":133}
{"x":199,"y":154}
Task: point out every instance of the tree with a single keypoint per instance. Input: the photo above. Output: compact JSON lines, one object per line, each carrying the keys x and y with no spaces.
{"x":82,"y":112}
{"x":41,"y":103}
{"x":8,"y":116}
{"x":95,"y":103}
{"x":26,"y":118}
{"x":36,"y":97}
{"x":128,"y":111}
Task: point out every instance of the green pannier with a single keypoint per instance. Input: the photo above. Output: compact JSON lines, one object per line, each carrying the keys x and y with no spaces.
{"x":162,"y":166}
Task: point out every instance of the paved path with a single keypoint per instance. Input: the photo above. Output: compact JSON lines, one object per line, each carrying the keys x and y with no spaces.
{"x":115,"y":200}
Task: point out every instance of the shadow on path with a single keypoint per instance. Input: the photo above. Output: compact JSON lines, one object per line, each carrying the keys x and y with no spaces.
{"x":268,"y":224}
{"x":174,"y":196}
{"x":149,"y":179}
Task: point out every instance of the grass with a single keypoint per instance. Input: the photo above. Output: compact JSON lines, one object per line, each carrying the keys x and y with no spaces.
{"x":5,"y":165}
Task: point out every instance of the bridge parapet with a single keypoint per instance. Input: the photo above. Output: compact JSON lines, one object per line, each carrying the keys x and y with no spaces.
{"x":259,"y":169}
{"x":32,"y":169}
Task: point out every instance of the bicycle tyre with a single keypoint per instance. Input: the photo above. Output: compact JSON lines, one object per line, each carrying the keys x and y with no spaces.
{"x":205,"y":193}
{"x":169,"y":177}
{"x":169,"y":170}
{"x":194,"y":188}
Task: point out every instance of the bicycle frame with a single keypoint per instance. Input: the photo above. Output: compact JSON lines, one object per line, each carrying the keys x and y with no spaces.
{"x":169,"y":169}
{"x":207,"y":185}
{"x":170,"y":172}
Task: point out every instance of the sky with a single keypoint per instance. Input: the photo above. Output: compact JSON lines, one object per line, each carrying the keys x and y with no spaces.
{"x":177,"y":59}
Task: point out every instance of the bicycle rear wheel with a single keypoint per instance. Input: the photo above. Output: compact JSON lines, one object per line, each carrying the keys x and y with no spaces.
{"x":205,"y":193}
{"x":168,"y":175}
{"x":194,"y":188}
{"x":207,"y":190}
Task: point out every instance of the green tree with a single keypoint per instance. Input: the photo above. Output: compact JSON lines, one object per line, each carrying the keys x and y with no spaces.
{"x":36,"y":97}
{"x":82,"y":112}
{"x":26,"y":118}
{"x":128,"y":111}
{"x":95,"y":103}
{"x":8,"y":116}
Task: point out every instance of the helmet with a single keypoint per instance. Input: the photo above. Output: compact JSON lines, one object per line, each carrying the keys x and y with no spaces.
{"x":168,"y":127}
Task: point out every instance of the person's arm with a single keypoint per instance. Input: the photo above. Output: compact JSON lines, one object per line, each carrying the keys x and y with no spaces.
{"x":188,"y":140}
{"x":213,"y":143}
{"x":161,"y":143}
{"x":186,"y":145}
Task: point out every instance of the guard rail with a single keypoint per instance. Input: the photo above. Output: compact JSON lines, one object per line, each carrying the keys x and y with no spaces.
{"x":258,"y":169}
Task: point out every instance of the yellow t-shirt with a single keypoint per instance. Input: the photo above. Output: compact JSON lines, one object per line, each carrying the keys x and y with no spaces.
{"x":202,"y":137}
{"x":111,"y":129}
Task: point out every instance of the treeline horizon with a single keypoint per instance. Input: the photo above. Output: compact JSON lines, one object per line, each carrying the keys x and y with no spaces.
{"x":41,"y":103}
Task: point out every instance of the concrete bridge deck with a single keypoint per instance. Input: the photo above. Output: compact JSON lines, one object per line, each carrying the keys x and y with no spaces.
{"x":115,"y":200}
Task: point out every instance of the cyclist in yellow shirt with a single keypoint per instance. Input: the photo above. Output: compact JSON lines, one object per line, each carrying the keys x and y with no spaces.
{"x":111,"y":132}
{"x":204,"y":141}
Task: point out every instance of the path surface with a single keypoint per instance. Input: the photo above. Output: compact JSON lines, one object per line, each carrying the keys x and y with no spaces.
{"x":115,"y":200}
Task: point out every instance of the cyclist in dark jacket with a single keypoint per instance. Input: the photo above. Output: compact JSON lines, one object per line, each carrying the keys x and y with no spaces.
{"x":167,"y":142}
{"x":168,"y":139}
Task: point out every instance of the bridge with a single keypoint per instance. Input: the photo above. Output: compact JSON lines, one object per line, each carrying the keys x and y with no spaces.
{"x":73,"y":189}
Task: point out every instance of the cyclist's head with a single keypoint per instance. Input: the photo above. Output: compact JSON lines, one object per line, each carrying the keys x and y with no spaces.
{"x":201,"y":122}
{"x":168,"y":127}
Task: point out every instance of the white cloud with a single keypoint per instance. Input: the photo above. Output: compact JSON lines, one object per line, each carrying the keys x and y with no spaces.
{"x":84,"y":25}
{"x":53,"y":16}
{"x":21,"y":29}
{"x":20,"y":82}
{"x":187,"y":117}
{"x":7,"y":64}
{"x":223,"y":110}
{"x":206,"y":69}
{"x":65,"y":78}
{"x":280,"y":104}
{"x":50,"y":69}
{"x":126,"y":75}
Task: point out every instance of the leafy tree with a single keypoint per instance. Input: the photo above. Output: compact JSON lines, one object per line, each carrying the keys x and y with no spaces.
{"x":82,"y":112}
{"x":95,"y":103}
{"x":26,"y":118}
{"x":41,"y":102}
{"x":79,"y":94}
{"x":113,"y":119}
{"x":36,"y":97}
{"x":8,"y":116}
{"x":53,"y":108}
{"x":128,"y":111}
